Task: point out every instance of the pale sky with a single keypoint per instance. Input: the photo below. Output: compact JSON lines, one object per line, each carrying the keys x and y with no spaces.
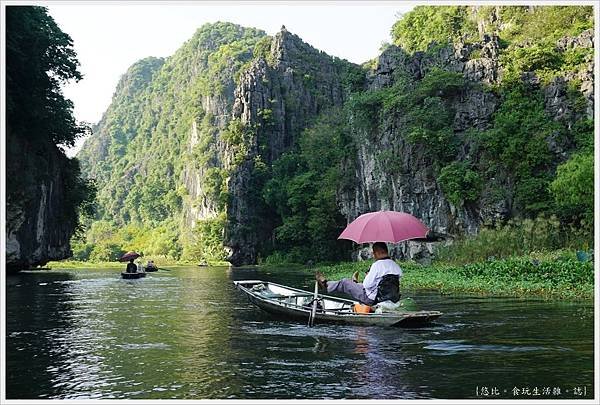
{"x":110,"y":37}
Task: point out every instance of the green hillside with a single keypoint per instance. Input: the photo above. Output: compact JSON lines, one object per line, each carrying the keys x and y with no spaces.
{"x":157,"y":141}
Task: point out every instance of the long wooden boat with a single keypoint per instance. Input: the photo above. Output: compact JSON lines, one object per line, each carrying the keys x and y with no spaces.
{"x":293,"y":303}
{"x":131,"y":276}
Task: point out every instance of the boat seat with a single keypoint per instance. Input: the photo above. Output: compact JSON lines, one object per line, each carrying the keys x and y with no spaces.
{"x":268,"y":294}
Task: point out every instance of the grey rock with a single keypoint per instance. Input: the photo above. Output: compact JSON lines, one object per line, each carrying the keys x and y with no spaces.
{"x":583,"y":40}
{"x":37,"y":229}
{"x":411,"y":186}
{"x":294,"y":86}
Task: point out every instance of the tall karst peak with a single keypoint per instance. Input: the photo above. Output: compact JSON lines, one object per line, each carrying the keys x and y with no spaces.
{"x":138,"y":75}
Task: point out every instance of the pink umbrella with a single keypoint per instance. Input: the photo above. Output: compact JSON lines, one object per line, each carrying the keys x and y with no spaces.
{"x":128,"y":256}
{"x":384,"y":226}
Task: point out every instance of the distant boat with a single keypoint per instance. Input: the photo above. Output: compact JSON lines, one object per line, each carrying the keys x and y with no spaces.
{"x":150,"y":269}
{"x":293,"y":303}
{"x":202,"y":264}
{"x":131,"y":276}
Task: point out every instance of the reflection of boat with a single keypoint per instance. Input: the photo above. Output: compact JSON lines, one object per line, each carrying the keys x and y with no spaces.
{"x":130,"y":276}
{"x":296,"y":304}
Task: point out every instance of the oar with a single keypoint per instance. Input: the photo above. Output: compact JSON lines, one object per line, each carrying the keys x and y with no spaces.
{"x":313,"y":312}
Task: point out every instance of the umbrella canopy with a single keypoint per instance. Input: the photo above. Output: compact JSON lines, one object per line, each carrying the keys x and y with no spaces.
{"x":384,"y":226}
{"x":128,"y":256}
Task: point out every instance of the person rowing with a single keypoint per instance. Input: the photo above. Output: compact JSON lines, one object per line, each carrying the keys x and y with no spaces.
{"x":382,"y":282}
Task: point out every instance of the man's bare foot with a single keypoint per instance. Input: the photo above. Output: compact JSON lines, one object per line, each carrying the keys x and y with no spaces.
{"x":320,"y":277}
{"x":355,"y":276}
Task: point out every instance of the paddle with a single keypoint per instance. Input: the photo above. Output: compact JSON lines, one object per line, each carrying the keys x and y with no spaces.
{"x":313,"y":312}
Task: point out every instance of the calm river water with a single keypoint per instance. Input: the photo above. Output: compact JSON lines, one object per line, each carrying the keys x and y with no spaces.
{"x":188,"y":333}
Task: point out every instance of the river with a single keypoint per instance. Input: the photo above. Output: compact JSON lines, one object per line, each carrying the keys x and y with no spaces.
{"x":187,"y":333}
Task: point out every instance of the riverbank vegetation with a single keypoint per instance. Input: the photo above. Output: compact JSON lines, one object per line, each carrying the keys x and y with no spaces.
{"x":554,"y":275}
{"x":529,"y":258}
{"x":521,"y":258}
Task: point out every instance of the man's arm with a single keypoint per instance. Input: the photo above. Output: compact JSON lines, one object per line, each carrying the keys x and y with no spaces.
{"x":369,"y":280}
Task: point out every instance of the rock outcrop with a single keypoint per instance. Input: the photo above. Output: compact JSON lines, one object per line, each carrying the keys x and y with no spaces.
{"x":277,"y":96}
{"x":37,"y":228}
{"x":412,"y":186}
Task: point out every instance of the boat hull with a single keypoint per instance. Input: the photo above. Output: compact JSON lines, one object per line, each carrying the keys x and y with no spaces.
{"x":132,"y":276}
{"x":291,"y":303}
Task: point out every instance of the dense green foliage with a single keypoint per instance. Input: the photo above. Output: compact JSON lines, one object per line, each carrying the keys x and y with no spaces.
{"x":460,"y":183}
{"x":207,"y":241}
{"x":40,"y":57}
{"x":140,"y":155}
{"x":106,"y":242}
{"x":40,"y":122}
{"x":573,"y":188}
{"x":425,"y":25}
{"x":302,"y":190}
{"x":150,"y":120}
{"x":517,"y":237}
{"x":518,"y":141}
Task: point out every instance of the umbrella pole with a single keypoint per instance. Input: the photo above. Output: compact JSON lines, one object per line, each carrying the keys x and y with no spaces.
{"x":313,"y":312}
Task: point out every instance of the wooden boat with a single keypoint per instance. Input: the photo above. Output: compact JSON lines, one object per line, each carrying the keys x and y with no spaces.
{"x":131,"y":276}
{"x":150,"y":269}
{"x":296,"y":304}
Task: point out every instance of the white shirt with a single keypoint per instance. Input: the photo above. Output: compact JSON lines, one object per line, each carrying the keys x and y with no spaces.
{"x":379,"y":269}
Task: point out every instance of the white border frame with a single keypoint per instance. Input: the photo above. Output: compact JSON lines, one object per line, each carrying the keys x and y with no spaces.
{"x":4,"y":3}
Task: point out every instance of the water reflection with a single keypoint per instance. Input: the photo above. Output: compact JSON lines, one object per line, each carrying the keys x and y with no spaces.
{"x":187,"y":333}
{"x":35,"y":309}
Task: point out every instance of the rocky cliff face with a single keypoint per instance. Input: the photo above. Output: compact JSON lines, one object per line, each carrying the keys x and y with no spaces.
{"x":412,"y":186}
{"x":556,"y":92}
{"x":221,"y":111}
{"x":37,"y":230}
{"x":277,"y":97}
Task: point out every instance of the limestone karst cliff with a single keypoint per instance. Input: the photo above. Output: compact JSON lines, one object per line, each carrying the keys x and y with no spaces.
{"x":214,"y":145}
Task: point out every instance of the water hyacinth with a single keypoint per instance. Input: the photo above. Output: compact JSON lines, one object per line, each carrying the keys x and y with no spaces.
{"x":557,"y":275}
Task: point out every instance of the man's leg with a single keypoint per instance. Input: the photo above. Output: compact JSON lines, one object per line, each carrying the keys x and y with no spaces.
{"x":347,"y":286}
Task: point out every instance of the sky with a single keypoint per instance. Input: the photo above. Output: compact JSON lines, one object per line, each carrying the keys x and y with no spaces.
{"x":110,"y":37}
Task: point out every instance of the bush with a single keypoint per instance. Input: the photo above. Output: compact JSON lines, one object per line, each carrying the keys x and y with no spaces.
{"x":573,"y":188}
{"x":517,"y":237}
{"x":81,"y":251}
{"x":207,"y":243}
{"x":562,"y":270}
{"x":425,"y":24}
{"x":460,"y":183}
{"x":106,"y":252}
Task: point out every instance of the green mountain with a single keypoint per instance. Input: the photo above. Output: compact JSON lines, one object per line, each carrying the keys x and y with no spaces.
{"x":246,"y":146}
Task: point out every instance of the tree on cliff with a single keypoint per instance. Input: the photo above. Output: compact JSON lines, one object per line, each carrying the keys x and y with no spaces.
{"x":39,"y":58}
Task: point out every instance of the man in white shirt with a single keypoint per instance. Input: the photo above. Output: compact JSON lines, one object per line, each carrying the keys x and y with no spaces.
{"x":381,"y":283}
